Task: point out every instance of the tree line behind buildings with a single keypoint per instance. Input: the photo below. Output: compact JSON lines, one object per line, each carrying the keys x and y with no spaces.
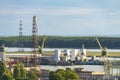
{"x":63,"y":42}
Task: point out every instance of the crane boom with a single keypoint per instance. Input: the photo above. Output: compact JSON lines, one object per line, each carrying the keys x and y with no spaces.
{"x":42,"y":45}
{"x":43,"y":41}
{"x":104,"y":50}
{"x":99,"y":43}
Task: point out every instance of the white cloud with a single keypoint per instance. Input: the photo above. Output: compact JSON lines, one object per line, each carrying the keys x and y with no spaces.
{"x":58,"y":11}
{"x":87,"y":20}
{"x":61,"y":11}
{"x":49,"y":11}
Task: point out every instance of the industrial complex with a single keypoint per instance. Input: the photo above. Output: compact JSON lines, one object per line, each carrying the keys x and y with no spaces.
{"x":62,"y":58}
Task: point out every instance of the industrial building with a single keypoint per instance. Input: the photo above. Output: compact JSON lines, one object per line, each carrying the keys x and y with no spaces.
{"x":70,"y":55}
{"x":89,"y":75}
{"x":93,"y":75}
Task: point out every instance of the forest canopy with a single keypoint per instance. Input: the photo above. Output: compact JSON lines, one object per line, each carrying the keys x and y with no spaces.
{"x":63,"y":42}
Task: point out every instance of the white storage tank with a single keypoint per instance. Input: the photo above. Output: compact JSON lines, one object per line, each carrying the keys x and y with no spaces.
{"x":66,"y":51}
{"x":67,"y":54}
{"x":83,"y":57}
{"x":83,"y":52}
{"x":65,"y":59}
{"x":57,"y":54}
{"x":74,"y":54}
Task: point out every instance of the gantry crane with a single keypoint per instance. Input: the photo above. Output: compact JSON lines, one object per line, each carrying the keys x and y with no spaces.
{"x":42,"y":45}
{"x":104,"y":50}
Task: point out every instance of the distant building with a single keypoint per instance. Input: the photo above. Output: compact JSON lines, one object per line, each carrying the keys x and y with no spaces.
{"x":89,"y":75}
{"x":70,"y":55}
{"x":2,"y":54}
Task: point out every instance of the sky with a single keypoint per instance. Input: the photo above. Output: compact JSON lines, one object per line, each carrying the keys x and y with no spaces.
{"x":61,"y":17}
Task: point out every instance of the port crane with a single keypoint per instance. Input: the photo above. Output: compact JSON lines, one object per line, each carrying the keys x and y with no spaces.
{"x":42,"y":46}
{"x":104,"y":50}
{"x":39,"y":50}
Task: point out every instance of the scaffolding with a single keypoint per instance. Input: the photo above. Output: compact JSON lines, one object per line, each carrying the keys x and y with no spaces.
{"x":35,"y":42}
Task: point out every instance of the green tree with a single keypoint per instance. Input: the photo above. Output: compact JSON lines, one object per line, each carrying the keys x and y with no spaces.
{"x":16,"y":71}
{"x":64,"y":42}
{"x":19,"y":72}
{"x":32,"y":75}
{"x":71,"y":76}
{"x":37,"y":72}
{"x":7,"y":76}
{"x":56,"y":76}
{"x":68,"y":70}
{"x":61,"y":74}
{"x":8,"y":72}
{"x":22,"y":71}
{"x":2,"y":68}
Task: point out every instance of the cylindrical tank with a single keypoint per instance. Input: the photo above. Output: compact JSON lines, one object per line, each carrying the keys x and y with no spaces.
{"x":83,"y":57}
{"x":74,"y":54}
{"x":67,"y":54}
{"x":83,"y":52}
{"x":57,"y":54}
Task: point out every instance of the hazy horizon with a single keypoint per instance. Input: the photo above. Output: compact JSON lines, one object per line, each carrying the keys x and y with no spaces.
{"x":67,"y":35}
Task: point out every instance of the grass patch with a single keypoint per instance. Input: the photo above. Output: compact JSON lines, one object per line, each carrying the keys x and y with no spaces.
{"x":111,"y":54}
{"x":51,"y":53}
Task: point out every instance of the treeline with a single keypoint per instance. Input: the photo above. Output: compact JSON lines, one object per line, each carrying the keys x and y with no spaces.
{"x":63,"y":42}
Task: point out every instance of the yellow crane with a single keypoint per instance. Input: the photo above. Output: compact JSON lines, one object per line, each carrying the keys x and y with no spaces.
{"x":104,"y":50}
{"x":98,"y":42}
{"x":42,"y":45}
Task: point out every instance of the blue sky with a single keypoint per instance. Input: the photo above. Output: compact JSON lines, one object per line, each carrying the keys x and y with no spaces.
{"x":61,"y":17}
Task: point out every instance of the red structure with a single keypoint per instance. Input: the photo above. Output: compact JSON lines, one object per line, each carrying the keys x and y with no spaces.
{"x":35,"y":42}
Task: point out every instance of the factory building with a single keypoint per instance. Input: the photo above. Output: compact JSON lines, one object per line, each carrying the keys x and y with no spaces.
{"x":63,"y":56}
{"x":70,"y":55}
